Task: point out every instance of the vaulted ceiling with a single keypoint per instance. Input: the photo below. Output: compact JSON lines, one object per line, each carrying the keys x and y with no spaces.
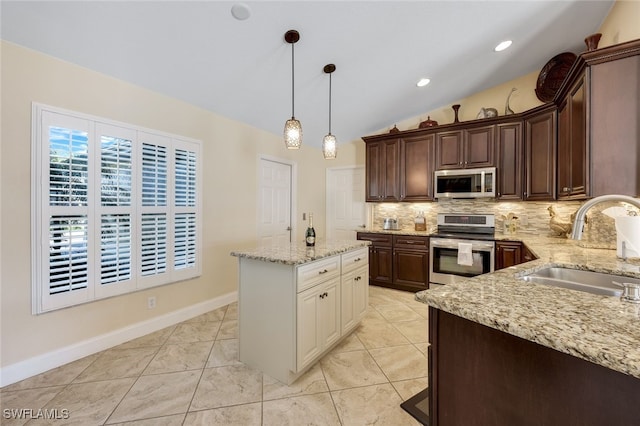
{"x":197,"y":51}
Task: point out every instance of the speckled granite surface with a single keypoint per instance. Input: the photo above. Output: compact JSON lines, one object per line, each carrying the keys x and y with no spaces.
{"x":299,"y":253}
{"x":600,"y":329}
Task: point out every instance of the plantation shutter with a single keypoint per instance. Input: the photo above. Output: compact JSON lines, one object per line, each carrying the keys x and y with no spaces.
{"x":64,"y":166}
{"x":154,"y":209}
{"x":186,"y":216}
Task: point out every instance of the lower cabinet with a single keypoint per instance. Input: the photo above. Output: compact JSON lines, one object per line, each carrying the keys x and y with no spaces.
{"x":291,"y":315}
{"x":398,"y":261}
{"x":510,"y":253}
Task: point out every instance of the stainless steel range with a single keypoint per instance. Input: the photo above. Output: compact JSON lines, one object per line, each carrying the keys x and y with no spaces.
{"x":463,"y":246}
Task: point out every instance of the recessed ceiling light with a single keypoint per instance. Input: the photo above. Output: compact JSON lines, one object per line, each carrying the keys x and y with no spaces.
{"x":503,"y":45}
{"x":423,"y":82}
{"x":240,"y":11}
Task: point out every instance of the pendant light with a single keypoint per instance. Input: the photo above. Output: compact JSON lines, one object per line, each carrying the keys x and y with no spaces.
{"x":292,"y":128}
{"x":329,"y":148}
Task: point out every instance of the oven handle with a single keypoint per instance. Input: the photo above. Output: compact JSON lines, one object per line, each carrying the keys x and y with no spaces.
{"x":453,"y":244}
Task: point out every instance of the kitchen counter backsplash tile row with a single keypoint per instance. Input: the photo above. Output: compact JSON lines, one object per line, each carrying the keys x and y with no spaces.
{"x":533,"y":217}
{"x":600,"y":329}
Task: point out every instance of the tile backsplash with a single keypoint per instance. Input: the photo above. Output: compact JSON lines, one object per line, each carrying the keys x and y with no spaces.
{"x":533,"y":216}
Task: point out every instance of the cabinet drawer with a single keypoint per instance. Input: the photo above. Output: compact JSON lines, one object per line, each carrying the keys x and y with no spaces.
{"x":317,"y":272}
{"x":411,"y":242}
{"x":378,"y":240}
{"x":355,"y":259}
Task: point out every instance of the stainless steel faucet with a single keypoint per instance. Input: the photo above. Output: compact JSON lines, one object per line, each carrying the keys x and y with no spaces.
{"x":578,"y":223}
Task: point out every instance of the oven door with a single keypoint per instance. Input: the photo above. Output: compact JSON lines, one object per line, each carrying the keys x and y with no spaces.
{"x":443,"y":259}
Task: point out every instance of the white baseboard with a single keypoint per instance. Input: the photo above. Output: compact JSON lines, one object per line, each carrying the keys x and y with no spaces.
{"x":56,"y":358}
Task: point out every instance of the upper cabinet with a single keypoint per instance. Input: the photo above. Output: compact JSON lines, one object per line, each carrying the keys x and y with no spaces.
{"x":598,"y":131}
{"x":467,"y":148}
{"x":573,"y":163}
{"x":383,"y":170}
{"x":400,"y":169}
{"x":509,"y":161}
{"x":540,"y":154}
{"x":416,"y":168}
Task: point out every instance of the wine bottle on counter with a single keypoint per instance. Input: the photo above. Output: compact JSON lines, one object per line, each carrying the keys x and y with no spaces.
{"x":310,"y":236}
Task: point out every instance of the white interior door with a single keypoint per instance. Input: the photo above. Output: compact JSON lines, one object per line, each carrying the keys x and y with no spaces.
{"x":274,"y":202}
{"x":346,"y":208}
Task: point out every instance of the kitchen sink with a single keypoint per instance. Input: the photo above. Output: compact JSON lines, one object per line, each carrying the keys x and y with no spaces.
{"x":575,"y":279}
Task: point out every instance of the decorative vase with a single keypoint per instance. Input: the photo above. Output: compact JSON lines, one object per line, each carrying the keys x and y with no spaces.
{"x":455,"y":107}
{"x":592,"y":41}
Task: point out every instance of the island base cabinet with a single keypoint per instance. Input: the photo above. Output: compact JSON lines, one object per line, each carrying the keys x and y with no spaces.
{"x":482,"y":376}
{"x":289,"y":316}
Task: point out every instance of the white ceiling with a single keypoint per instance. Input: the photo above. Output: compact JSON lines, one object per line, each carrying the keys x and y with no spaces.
{"x":199,"y":53}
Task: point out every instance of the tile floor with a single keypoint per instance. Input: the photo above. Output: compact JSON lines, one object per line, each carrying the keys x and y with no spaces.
{"x":189,"y":374}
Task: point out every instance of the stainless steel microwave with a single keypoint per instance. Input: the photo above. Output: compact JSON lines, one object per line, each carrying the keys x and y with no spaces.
{"x":465,"y":183}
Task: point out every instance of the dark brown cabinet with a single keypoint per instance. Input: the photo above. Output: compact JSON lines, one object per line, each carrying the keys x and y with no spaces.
{"x":468,"y":148}
{"x":510,"y":158}
{"x":511,"y":253}
{"x":383,"y":170}
{"x":410,"y":262}
{"x":482,"y":376}
{"x":540,"y":154}
{"x":398,"y":261}
{"x":416,"y":168}
{"x":380,"y":257}
{"x":598,"y":130}
{"x":572,"y":143}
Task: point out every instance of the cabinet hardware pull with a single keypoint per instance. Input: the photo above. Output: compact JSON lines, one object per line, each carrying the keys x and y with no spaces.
{"x":323,"y":272}
{"x":357,"y":259}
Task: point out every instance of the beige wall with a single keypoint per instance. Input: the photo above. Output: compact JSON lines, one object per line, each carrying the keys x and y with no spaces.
{"x":230,"y":153}
{"x":622,"y":24}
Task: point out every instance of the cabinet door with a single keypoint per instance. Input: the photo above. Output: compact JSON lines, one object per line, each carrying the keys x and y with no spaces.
{"x":578,"y":154}
{"x":416,"y":168}
{"x":308,"y":326}
{"x":508,"y":253}
{"x":411,"y":269}
{"x":382,"y":272}
{"x":329,"y":311}
{"x":540,"y":153}
{"x":449,"y":151}
{"x":374,"y":161}
{"x":479,"y":147}
{"x":383,"y":170}
{"x":510,"y":158}
{"x":572,"y":144}
{"x":361,"y":293}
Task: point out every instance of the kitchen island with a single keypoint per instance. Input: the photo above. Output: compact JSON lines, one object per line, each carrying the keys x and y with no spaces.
{"x":295,"y":303}
{"x":513,"y":352}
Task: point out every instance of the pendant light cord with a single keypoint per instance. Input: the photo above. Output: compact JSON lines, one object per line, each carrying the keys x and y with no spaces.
{"x":330,"y":103}
{"x":292,"y":82}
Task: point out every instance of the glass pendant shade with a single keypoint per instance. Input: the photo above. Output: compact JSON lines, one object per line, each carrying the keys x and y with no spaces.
{"x":292,"y":133}
{"x":329,"y":147}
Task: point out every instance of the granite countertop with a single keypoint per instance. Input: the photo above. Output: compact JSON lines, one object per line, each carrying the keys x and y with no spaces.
{"x":600,"y":329}
{"x":298,"y":253}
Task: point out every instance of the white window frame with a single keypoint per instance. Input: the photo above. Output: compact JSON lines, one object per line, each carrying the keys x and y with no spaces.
{"x":132,"y":279}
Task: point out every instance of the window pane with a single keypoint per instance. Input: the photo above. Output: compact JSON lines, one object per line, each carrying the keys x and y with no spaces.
{"x":68,"y":167}
{"x":185,"y":240}
{"x":68,"y":255}
{"x":185,"y":178}
{"x":154,"y":175}
{"x":115,"y":176}
{"x":153,"y":256}
{"x":115,"y":256}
